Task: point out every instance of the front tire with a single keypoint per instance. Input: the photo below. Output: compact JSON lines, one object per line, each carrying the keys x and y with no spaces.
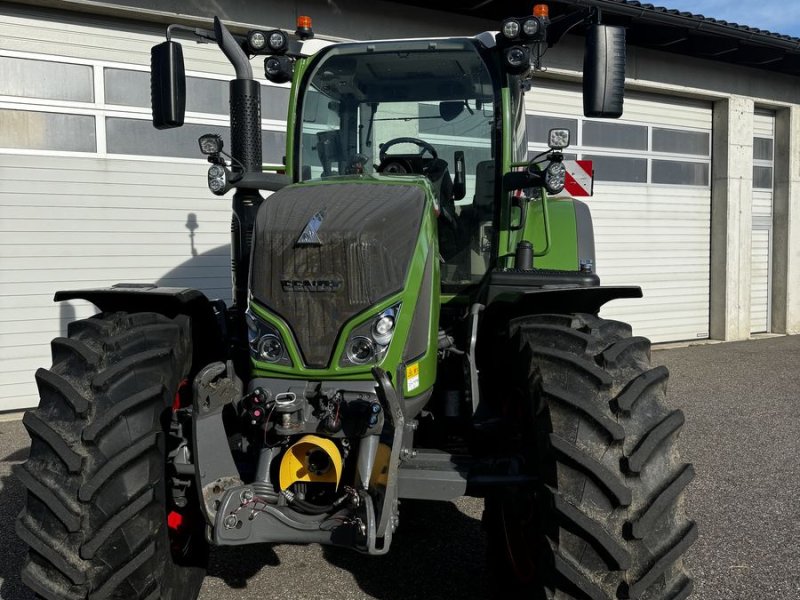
{"x":95,"y":520}
{"x":606,"y":519}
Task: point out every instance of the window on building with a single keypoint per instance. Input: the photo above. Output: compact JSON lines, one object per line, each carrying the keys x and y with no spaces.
{"x":44,"y":79}
{"x":679,"y":141}
{"x":762,"y":148}
{"x":762,"y":177}
{"x":619,"y":168}
{"x":614,"y":135}
{"x":674,"y":172}
{"x":139,"y":137}
{"x":126,"y":87}
{"x":36,"y":130}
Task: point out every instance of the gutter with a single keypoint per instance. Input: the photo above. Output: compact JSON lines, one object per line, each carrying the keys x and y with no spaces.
{"x":690,"y":22}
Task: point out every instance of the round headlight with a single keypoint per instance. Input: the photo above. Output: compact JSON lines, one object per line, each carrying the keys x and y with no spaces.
{"x":361,"y":350}
{"x":518,"y":59}
{"x":257,"y":40}
{"x":277,"y":41}
{"x":383,"y":329}
{"x":270,"y":348}
{"x":278,"y":69}
{"x":554,"y":177}
{"x":217,"y":179}
{"x":530,"y":27}
{"x":511,"y":29}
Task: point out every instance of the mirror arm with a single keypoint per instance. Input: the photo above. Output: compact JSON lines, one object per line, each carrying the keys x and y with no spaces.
{"x":204,"y":34}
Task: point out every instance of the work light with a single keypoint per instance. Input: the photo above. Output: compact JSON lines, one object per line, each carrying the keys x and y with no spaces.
{"x":518,"y":59}
{"x":554,"y":177}
{"x":278,"y":69}
{"x":217,"y":179}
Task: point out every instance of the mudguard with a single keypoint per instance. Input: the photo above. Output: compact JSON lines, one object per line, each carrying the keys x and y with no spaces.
{"x":209,"y":337}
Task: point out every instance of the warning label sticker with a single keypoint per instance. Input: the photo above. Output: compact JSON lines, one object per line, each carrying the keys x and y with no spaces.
{"x":412,"y":376}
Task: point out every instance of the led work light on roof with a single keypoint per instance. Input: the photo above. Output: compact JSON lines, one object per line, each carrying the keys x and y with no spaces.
{"x":267,"y":42}
{"x":531,"y":27}
{"x":257,"y":41}
{"x":511,"y":29}
{"x":277,"y":41}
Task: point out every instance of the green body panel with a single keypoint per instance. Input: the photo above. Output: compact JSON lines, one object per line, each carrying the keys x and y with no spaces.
{"x":506,"y":239}
{"x":409,"y":296}
{"x":562,"y":253}
{"x":300,"y":66}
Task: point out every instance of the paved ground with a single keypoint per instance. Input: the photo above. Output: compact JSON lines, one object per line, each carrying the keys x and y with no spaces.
{"x":742,"y":402}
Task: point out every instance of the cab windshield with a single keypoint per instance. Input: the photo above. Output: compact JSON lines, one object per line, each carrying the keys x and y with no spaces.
{"x":407,"y":108}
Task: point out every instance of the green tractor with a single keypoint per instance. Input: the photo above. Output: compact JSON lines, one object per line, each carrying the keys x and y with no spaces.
{"x":413,"y":318}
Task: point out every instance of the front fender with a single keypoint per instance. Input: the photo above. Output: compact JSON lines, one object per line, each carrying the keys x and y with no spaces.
{"x":209,"y":336}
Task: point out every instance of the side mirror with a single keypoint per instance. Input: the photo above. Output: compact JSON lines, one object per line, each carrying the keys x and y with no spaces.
{"x":459,"y":176}
{"x":167,"y":85}
{"x":604,"y":71}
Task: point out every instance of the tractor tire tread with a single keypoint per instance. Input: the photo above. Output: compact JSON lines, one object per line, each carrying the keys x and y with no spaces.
{"x":39,"y":429}
{"x":63,"y":389}
{"x":66,"y":514}
{"x":569,"y":453}
{"x":609,"y":518}
{"x":96,"y":526}
{"x":645,"y":523}
{"x":652,"y":440}
{"x":627,"y":400}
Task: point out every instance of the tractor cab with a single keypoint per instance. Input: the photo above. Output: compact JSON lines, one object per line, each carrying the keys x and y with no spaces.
{"x":403,"y":109}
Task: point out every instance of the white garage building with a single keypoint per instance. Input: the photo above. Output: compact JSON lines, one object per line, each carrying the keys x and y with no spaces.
{"x":697,"y":196}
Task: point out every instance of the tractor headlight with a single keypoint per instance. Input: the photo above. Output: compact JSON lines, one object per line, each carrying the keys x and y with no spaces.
{"x":279,"y":69}
{"x":217,"y":179}
{"x":518,"y":59}
{"x":265,"y":341}
{"x":360,"y":350}
{"x":369,"y":342}
{"x":554,"y":176}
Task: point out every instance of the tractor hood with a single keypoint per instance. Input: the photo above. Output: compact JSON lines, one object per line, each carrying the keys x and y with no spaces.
{"x":324,"y":252}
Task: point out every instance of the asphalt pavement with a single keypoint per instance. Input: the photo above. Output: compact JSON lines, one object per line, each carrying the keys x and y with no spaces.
{"x":742,"y":405}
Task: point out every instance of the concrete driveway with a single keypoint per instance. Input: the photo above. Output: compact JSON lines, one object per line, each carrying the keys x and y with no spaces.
{"x":742,"y":405}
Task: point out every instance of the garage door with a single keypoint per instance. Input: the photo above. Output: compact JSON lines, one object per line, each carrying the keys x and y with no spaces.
{"x":761,"y":249}
{"x":91,"y":194}
{"x":652,"y":202}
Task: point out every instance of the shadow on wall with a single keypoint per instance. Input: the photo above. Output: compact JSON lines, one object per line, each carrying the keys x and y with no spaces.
{"x":209,"y":272}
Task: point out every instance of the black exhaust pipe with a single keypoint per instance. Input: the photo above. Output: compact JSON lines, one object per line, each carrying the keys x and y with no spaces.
{"x":245,"y":105}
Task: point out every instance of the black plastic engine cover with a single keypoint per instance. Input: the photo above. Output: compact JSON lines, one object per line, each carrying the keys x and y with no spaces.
{"x":324,"y":253}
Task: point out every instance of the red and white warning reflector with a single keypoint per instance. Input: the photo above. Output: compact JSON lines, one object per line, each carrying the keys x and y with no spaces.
{"x":579,"y":180}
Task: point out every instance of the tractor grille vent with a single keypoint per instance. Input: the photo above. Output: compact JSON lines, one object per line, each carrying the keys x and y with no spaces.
{"x":357,"y":251}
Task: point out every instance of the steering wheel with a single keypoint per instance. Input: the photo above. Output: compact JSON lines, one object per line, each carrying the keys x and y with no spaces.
{"x":423,"y":147}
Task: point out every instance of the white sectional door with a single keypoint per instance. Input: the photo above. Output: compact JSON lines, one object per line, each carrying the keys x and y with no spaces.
{"x":90,"y":193}
{"x":651,"y":205}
